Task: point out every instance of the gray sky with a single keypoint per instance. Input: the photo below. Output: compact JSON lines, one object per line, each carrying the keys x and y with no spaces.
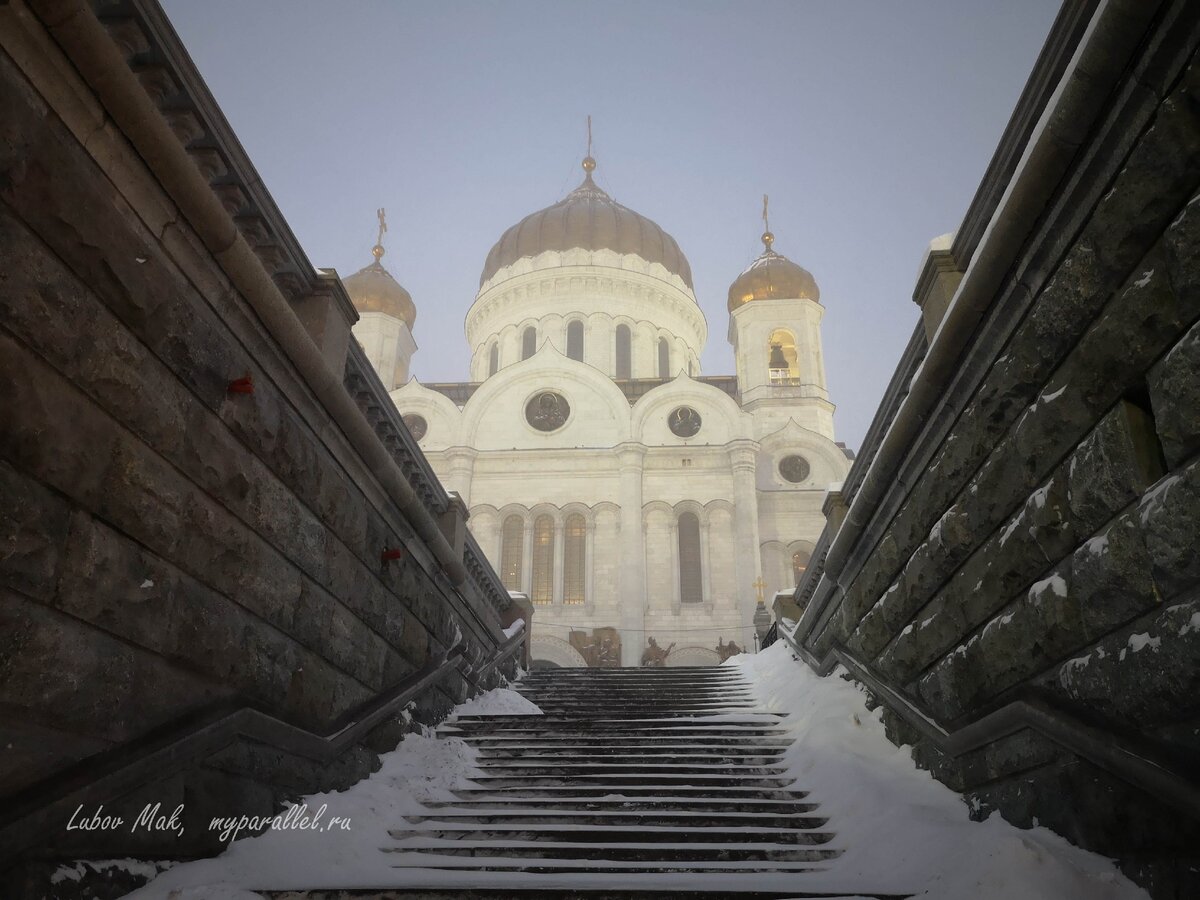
{"x":869,"y":122}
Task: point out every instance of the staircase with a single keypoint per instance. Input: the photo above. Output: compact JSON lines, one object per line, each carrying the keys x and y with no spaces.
{"x":634,"y":783}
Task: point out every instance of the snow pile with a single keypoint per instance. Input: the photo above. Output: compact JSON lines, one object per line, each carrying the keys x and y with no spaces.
{"x":900,"y":828}
{"x":500,"y":702}
{"x":424,"y":767}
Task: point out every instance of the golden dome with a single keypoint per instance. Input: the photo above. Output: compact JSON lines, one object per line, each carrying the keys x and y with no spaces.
{"x":373,"y":289}
{"x":587,"y":219}
{"x":772,"y":277}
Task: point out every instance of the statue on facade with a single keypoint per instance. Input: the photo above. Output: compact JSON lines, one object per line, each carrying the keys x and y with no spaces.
{"x":601,"y":649}
{"x":654,"y":655}
{"x":725,"y":650}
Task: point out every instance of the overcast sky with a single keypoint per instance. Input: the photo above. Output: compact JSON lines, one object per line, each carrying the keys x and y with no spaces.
{"x":869,"y":124}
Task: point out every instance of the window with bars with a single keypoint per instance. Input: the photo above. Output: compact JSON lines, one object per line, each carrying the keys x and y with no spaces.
{"x":494,"y":359}
{"x":664,"y":359}
{"x":624,"y":352}
{"x":512,"y":552}
{"x":575,"y":340}
{"x":799,"y":563}
{"x":691,"y":587}
{"x":574,"y":559}
{"x":542,"y":589}
{"x":528,"y":342}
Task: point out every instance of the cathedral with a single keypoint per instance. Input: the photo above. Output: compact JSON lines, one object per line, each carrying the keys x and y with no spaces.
{"x":644,"y":508}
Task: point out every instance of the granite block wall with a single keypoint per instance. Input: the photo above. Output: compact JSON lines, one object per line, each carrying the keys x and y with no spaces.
{"x":167,"y":545}
{"x":1048,"y":548}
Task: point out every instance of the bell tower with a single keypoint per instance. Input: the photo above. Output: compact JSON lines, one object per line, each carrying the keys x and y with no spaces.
{"x":775,"y":328}
{"x":386,"y":316}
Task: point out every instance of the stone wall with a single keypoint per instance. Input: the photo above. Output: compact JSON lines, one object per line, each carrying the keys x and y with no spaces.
{"x":188,"y":524}
{"x":1017,"y":580}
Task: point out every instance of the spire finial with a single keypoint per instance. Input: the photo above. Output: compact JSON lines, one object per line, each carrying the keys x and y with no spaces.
{"x":377,"y":250}
{"x":767,"y":238}
{"x":589,"y":164}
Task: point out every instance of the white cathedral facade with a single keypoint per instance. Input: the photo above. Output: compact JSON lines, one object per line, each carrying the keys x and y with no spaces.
{"x":628,"y":496}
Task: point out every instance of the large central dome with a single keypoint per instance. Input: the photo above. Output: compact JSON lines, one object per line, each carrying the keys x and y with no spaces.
{"x":587,"y":219}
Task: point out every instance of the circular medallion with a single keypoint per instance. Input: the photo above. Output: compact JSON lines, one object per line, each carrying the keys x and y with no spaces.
{"x":547,"y":411}
{"x":683,"y":421}
{"x":794,"y":468}
{"x":417,"y":426}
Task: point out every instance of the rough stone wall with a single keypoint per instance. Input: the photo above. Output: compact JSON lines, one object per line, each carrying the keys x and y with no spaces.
{"x":1048,"y":548}
{"x":166,"y":544}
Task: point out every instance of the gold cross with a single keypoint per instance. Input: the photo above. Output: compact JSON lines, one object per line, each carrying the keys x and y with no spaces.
{"x":758,"y":586}
{"x":382,"y":216}
{"x":589,"y":153}
{"x":766,"y":222}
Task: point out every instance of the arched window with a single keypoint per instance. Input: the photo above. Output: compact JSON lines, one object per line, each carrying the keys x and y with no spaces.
{"x":575,"y":340}
{"x":512,"y":552}
{"x":529,"y":342}
{"x":542,"y":589}
{"x":494,"y":359}
{"x":624,"y":352}
{"x":690,"y":372}
{"x":691,"y":589}
{"x":799,"y":563}
{"x":574,"y":558}
{"x":782,"y":362}
{"x":664,"y":359}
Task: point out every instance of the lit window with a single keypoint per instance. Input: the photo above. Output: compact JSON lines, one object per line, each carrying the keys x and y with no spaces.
{"x":799,"y":564}
{"x":543,"y":560}
{"x":574,"y":559}
{"x":512,"y":552}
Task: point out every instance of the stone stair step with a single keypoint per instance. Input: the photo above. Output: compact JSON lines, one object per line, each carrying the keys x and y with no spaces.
{"x":516,"y":768}
{"x":661,"y":781}
{"x":624,"y":803}
{"x":405,"y":858}
{"x":736,"y":718}
{"x":651,"y":757}
{"x":669,"y":819}
{"x":566,"y":742}
{"x":613,"y":851}
{"x":717,"y":792}
{"x":581,"y":832}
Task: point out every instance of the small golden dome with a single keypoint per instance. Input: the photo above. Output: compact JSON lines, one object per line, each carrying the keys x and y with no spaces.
{"x":373,"y":289}
{"x":772,"y":277}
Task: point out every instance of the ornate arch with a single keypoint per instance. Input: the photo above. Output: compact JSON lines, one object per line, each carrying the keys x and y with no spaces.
{"x":693,"y":656}
{"x":555,"y":650}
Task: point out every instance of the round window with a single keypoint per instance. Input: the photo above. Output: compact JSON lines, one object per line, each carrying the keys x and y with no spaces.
{"x":547,"y":411}
{"x":684,"y":421}
{"x":794,"y":468}
{"x":417,"y":426}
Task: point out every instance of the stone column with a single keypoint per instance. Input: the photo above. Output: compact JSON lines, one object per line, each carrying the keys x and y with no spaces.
{"x":747,"y":560}
{"x":631,"y":583}
{"x":461,"y":469}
